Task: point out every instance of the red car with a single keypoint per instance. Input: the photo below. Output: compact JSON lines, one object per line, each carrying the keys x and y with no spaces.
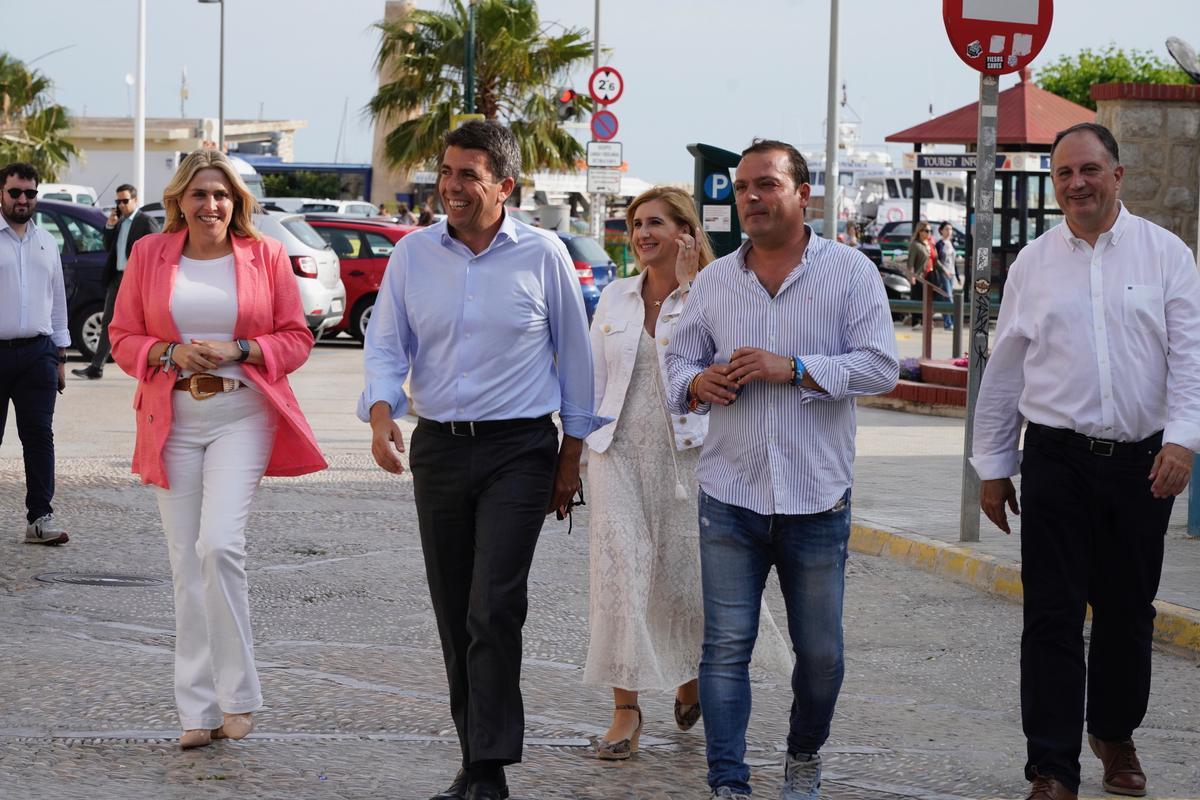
{"x":363,"y":246}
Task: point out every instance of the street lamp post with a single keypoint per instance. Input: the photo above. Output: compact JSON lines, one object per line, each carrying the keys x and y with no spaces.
{"x":469,"y":62}
{"x":221,"y":85}
{"x":139,"y":119}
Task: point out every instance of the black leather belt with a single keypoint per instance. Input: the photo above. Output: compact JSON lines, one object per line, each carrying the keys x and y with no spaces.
{"x":485,"y":427}
{"x":1097,"y":447}
{"x":28,"y":340}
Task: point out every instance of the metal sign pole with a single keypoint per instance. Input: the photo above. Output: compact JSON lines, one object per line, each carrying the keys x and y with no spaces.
{"x":981,"y":273}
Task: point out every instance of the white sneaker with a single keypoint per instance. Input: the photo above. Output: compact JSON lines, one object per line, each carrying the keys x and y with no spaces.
{"x":801,"y":778}
{"x":725,"y":793}
{"x":45,"y":530}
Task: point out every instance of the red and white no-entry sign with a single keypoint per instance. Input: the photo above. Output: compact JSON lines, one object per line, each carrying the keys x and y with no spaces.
{"x":997,"y":36}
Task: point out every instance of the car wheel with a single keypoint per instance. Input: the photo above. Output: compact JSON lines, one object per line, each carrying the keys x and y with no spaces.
{"x":360,"y":317}
{"x":86,"y":330}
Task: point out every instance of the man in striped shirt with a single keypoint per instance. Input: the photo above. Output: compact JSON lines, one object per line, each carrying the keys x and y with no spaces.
{"x":776,"y":340}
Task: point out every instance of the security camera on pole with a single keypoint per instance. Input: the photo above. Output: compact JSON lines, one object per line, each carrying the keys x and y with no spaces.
{"x":994,"y":37}
{"x":603,"y":155}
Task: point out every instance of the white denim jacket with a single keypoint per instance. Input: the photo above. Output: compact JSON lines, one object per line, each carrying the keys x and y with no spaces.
{"x":616,"y":328}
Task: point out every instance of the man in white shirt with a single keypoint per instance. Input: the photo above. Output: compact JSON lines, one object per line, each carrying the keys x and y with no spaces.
{"x":1098,"y":348}
{"x":33,"y":341}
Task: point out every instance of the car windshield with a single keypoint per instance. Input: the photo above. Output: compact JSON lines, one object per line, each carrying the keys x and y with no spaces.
{"x":304,"y":232}
{"x":582,"y":248}
{"x":309,"y":207}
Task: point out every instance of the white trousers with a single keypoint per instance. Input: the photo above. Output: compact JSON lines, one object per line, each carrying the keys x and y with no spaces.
{"x":215,"y":457}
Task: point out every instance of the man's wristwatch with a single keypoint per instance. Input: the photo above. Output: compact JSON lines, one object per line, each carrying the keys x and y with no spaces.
{"x":244,"y":348}
{"x":62,"y":355}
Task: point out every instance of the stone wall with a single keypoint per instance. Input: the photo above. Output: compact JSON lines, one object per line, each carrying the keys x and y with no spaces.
{"x":1158,"y":129}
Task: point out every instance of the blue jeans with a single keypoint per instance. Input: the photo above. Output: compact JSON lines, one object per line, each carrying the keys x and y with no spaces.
{"x":948,"y":286}
{"x":737,"y":550}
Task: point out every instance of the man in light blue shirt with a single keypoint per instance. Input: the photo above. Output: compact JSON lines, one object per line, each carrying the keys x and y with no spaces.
{"x":485,"y":318}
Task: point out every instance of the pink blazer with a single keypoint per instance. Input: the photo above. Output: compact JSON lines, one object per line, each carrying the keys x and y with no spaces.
{"x":269,"y":312}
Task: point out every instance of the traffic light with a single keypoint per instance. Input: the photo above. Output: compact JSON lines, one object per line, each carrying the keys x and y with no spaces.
{"x":565,"y":105}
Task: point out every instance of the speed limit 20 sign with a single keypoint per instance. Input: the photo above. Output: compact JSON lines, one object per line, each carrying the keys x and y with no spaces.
{"x":605,"y":86}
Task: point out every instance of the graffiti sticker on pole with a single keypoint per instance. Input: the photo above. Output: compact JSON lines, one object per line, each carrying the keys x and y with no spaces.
{"x":606,"y":86}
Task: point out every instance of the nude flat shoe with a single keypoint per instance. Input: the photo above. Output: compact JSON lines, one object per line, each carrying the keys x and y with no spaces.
{"x":235,"y":726}
{"x":195,"y":738}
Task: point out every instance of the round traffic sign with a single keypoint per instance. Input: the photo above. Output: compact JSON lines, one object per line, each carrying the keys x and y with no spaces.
{"x":606,"y":85}
{"x":997,"y":36}
{"x":604,"y":125}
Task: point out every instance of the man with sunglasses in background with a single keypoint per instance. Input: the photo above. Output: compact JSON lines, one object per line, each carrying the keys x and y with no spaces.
{"x":125,"y":226}
{"x":33,"y":342}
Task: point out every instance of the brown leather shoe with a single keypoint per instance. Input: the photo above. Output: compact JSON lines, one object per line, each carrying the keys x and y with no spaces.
{"x":1050,"y":789}
{"x":1122,"y":770}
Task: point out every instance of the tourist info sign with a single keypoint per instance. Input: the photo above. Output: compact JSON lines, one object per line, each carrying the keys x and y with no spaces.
{"x":603,"y":154}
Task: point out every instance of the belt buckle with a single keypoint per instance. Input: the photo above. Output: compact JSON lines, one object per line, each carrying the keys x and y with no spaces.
{"x":195,"y":391}
{"x":454,"y":430}
{"x":1099,"y":447}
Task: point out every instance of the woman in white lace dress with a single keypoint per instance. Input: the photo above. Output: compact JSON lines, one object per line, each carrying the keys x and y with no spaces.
{"x":647,"y":616}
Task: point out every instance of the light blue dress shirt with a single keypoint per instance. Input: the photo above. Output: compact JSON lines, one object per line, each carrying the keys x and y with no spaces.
{"x":498,"y":335}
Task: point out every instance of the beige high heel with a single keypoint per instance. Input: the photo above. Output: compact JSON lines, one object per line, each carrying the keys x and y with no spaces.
{"x":189,"y":740}
{"x":235,"y":726}
{"x":619,"y":751}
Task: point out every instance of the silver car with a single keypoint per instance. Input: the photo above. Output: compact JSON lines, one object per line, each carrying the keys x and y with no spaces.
{"x":318,"y":271}
{"x":317,"y":268}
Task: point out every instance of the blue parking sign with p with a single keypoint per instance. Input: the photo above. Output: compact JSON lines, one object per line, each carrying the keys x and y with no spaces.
{"x":717,"y":186}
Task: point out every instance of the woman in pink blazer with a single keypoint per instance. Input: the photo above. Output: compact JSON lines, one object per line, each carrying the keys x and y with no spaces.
{"x":209,"y":321}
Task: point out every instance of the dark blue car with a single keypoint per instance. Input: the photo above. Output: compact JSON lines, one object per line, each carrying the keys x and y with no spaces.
{"x":595,"y":269}
{"x":79,"y":231}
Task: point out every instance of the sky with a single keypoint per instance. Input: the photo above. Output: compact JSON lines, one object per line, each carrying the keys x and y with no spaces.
{"x":714,"y":71}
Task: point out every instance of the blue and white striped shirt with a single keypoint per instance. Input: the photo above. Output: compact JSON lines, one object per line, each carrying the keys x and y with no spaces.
{"x":783,"y":449}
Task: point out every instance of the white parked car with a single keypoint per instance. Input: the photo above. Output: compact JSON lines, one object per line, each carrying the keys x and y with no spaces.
{"x":356,"y":208}
{"x":317,"y":268}
{"x":70,"y":192}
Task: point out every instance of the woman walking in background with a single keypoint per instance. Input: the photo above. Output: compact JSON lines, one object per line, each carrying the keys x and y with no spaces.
{"x":209,"y":321}
{"x":920,"y":264}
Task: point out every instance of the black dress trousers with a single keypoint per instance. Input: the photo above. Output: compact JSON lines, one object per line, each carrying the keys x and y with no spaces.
{"x":1091,"y":533}
{"x":29,"y":379}
{"x":481,"y":501}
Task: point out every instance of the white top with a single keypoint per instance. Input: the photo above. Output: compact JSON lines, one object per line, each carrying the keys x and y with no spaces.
{"x":32,"y":298}
{"x":1103,"y":341}
{"x":616,"y":330}
{"x":204,"y":305}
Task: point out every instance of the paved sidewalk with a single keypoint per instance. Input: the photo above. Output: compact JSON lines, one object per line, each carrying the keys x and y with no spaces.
{"x":908,"y":478}
{"x":351,"y":669}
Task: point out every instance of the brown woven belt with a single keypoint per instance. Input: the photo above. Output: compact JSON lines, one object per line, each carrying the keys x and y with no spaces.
{"x":203,"y":386}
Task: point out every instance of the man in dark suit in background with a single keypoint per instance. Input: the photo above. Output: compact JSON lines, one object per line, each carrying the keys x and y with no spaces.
{"x":125,"y":226}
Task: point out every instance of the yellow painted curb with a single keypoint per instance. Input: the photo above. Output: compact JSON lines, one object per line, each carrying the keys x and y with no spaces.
{"x":1175,"y":626}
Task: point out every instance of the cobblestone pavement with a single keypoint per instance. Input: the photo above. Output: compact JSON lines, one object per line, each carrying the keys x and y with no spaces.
{"x":352,"y":672}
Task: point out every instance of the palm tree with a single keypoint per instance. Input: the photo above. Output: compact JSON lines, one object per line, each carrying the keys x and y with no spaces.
{"x":518,"y":65}
{"x":32,"y":127}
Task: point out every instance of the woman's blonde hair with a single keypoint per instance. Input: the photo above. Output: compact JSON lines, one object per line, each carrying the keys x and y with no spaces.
{"x":244,"y":203}
{"x":682,"y":211}
{"x":921,"y":227}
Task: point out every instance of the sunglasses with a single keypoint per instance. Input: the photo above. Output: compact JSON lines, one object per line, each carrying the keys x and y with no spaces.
{"x":30,"y":194}
{"x":122,"y":201}
{"x":577,"y":500}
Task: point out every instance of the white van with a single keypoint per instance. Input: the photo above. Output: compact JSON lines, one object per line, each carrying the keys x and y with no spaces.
{"x":70,"y":192}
